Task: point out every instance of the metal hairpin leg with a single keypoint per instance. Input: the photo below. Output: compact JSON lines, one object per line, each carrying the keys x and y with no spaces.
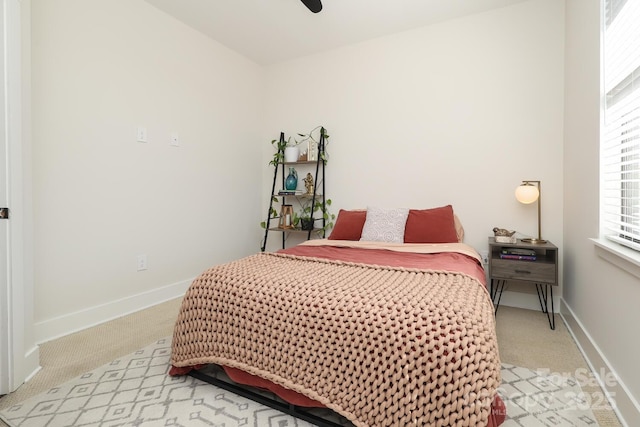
{"x":544,"y":295}
{"x":497,"y":291}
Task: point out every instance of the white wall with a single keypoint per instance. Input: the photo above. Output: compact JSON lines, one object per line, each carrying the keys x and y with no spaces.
{"x":100,"y":69}
{"x":457,"y":113}
{"x":601,"y":299}
{"x":460,"y":112}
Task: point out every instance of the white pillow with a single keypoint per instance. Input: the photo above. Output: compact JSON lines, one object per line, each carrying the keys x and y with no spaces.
{"x":384,"y":225}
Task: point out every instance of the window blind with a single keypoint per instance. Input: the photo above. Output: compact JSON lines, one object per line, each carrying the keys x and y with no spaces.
{"x":620,"y":144}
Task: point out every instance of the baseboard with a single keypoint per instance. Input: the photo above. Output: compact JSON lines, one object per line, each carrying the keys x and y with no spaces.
{"x":83,"y":319}
{"x":526,"y":301}
{"x":623,"y":402}
{"x":27,"y":368}
{"x":32,"y":362}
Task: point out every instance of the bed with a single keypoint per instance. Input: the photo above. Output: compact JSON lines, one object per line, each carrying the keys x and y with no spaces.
{"x":381,"y":332}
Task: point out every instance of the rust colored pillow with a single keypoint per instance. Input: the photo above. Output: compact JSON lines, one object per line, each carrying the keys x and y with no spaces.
{"x":348,"y":225}
{"x":431,"y":226}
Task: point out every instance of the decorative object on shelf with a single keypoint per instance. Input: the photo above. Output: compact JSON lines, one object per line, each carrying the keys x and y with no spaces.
{"x":312,"y":151}
{"x":306,"y":224}
{"x":308,"y":184}
{"x":313,"y":143}
{"x":518,"y":254}
{"x":291,"y":183}
{"x":289,"y":192}
{"x":528,"y":193}
{"x":503,"y":235}
{"x":286,"y":217}
{"x":291,"y":153}
{"x":303,"y":156}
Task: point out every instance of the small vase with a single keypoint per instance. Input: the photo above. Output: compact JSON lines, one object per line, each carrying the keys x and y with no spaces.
{"x":291,"y":154}
{"x":291,"y":183}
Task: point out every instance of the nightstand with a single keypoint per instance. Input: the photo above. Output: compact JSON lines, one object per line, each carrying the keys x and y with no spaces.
{"x":524,"y":262}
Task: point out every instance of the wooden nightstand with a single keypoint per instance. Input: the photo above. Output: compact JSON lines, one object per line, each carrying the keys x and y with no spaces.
{"x":541,"y":269}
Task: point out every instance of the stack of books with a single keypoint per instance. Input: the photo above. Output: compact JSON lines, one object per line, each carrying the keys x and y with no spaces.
{"x":520,"y":254}
{"x":289,"y":192}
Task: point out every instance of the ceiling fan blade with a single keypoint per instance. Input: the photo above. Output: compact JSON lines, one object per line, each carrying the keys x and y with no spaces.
{"x":314,"y":6}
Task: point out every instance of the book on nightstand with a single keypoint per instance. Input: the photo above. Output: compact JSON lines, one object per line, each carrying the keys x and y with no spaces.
{"x":518,"y":253}
{"x":519,"y":257}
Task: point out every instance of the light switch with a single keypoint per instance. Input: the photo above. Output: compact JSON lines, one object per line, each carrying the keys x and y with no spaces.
{"x":142,"y":134}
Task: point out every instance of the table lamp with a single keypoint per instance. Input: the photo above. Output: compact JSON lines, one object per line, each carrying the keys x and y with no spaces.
{"x":528,"y":193}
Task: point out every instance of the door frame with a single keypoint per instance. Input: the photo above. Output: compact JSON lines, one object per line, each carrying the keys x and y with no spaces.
{"x":20,"y":357}
{"x":5,"y":347}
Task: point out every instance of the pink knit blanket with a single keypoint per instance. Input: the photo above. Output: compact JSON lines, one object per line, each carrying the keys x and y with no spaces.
{"x":382,"y":346}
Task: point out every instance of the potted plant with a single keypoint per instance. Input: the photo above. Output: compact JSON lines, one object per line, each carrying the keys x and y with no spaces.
{"x":302,"y":219}
{"x":291,"y":152}
{"x":287,"y":151}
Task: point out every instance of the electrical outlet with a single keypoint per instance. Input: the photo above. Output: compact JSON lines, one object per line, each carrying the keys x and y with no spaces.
{"x":142,"y":262}
{"x":485,"y":257}
{"x":174,"y":140}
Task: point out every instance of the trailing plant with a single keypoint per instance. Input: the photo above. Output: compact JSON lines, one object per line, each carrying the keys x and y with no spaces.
{"x":278,"y":156}
{"x":273,"y":213}
{"x":304,"y":214}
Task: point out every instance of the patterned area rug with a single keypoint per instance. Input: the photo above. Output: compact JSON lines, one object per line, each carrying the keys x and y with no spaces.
{"x":136,"y":391}
{"x":535,"y":399}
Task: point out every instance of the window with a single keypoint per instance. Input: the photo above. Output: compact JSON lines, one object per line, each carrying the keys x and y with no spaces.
{"x":620,"y":145}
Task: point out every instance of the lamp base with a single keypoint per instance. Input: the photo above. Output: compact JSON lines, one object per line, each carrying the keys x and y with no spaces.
{"x":533,"y":241}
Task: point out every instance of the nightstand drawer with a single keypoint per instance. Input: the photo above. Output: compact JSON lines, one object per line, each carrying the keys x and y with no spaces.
{"x":533,"y":271}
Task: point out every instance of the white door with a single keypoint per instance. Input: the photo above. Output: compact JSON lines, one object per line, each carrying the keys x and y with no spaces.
{"x":5,"y":352}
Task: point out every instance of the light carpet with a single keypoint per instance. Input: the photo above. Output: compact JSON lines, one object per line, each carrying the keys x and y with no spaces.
{"x":136,"y":390}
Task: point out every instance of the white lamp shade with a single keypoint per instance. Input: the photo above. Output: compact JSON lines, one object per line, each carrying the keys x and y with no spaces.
{"x":527,"y":193}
